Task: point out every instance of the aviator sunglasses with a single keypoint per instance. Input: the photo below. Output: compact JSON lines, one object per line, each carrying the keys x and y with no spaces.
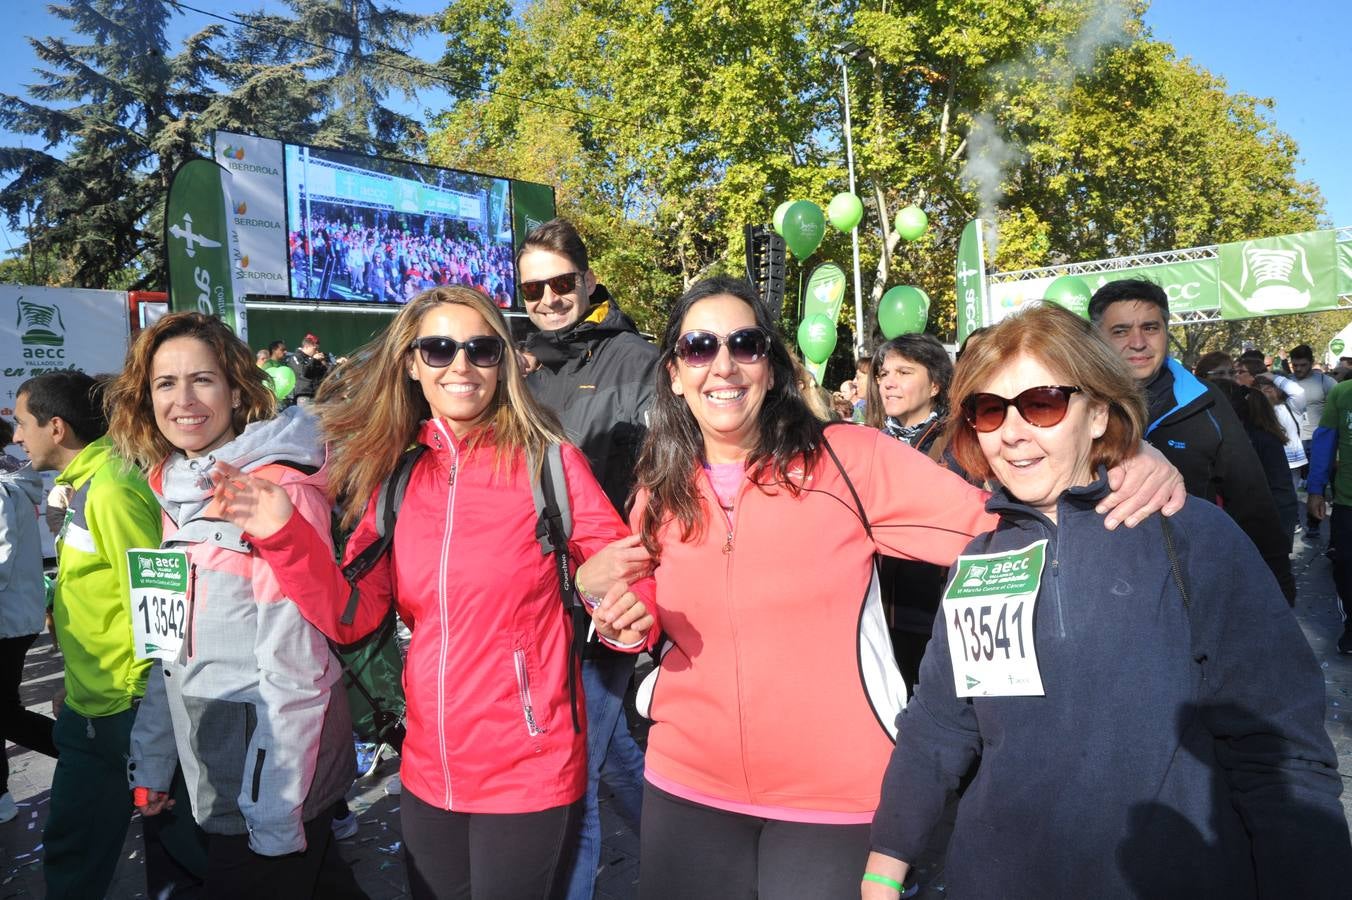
{"x":745,"y":346}
{"x":559,"y":284}
{"x":1042,"y":407}
{"x":439,"y":352}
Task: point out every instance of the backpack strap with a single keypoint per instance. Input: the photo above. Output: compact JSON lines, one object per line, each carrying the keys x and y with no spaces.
{"x":388,"y":500}
{"x":858,"y":504}
{"x":553,"y":527}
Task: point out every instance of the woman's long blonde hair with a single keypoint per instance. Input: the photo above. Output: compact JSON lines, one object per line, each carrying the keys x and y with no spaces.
{"x":131,"y":416}
{"x":370,"y":410}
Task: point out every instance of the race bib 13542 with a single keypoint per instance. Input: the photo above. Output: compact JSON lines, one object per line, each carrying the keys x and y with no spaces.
{"x":159,"y":602}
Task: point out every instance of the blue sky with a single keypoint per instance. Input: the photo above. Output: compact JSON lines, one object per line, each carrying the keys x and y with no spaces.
{"x":1296,"y":53}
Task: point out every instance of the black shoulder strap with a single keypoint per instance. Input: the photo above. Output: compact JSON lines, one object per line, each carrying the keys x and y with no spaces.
{"x":388,"y":500}
{"x":858,"y":504}
{"x":553,"y":528}
{"x":1176,"y":572}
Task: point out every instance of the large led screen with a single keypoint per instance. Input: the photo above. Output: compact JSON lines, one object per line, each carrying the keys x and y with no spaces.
{"x":380,"y":231}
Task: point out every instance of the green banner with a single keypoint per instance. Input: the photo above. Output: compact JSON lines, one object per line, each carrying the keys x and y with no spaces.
{"x":1345,"y":267}
{"x":1191,"y":286}
{"x":1293,"y":273}
{"x":971,"y":280}
{"x":823,"y":294}
{"x":198,"y":245}
{"x":532,"y":206}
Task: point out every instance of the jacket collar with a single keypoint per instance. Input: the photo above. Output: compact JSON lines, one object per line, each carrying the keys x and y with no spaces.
{"x":1076,"y":499}
{"x":1187,"y":388}
{"x":88,"y":461}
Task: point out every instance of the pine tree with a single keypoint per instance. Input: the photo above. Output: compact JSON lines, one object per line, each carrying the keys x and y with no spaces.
{"x":114,"y":114}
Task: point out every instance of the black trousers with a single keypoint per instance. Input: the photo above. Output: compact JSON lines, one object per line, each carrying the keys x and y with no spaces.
{"x":22,"y":726}
{"x":689,"y":850}
{"x":484,"y":856}
{"x":234,"y":871}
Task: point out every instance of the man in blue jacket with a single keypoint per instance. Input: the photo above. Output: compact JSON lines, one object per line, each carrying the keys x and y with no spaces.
{"x":1190,"y":422}
{"x":1333,"y":440}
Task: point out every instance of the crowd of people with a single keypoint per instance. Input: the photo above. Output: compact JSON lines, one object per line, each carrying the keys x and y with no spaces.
{"x":373,"y":257}
{"x":1043,"y":594}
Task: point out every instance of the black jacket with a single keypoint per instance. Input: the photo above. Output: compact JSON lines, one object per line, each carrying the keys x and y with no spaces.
{"x":1179,"y":750}
{"x":1197,"y":430}
{"x":597,"y":376}
{"x":310,"y":370}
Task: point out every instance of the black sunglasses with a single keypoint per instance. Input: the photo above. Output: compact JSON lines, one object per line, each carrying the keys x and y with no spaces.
{"x":1042,"y":407}
{"x":439,"y":352}
{"x":745,"y":346}
{"x":559,"y":284}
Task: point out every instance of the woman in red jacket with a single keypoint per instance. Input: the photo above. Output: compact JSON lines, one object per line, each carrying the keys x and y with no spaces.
{"x":774,"y":710}
{"x":492,"y":766}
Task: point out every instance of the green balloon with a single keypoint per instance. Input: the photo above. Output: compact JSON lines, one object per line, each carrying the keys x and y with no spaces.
{"x":803,"y":228}
{"x":778,"y":219}
{"x":845,"y":211}
{"x":911,"y":223}
{"x":283,"y":380}
{"x":817,"y":337}
{"x":903,"y":310}
{"x":1336,"y":346}
{"x":1070,"y":292}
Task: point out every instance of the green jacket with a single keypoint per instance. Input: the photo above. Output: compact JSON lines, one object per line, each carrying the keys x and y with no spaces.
{"x":112,"y":511}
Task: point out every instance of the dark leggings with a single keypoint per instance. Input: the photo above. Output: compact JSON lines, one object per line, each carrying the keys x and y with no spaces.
{"x":234,"y":871}
{"x":689,"y":850}
{"x":484,"y":856}
{"x":22,"y":726}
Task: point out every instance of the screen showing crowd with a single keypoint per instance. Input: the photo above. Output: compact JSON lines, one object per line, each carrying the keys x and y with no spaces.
{"x":381,"y":230}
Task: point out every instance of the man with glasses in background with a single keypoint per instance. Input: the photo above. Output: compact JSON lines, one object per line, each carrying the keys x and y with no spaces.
{"x":596,"y":373}
{"x":1191,"y":422}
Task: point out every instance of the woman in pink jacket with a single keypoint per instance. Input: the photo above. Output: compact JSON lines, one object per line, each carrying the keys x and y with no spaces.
{"x":492,"y":765}
{"x":774,"y":708}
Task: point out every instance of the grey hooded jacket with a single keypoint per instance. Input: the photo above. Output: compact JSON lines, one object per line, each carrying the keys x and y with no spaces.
{"x":252,"y":707}
{"x":22,"y":594}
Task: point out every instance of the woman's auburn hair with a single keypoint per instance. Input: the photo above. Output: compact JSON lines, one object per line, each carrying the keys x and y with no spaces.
{"x":127,"y":400}
{"x":673,"y":451}
{"x":370,"y":409}
{"x":1070,"y":347}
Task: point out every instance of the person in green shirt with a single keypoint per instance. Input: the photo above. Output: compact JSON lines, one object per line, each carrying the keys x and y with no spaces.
{"x":61,"y":427}
{"x":1333,"y":440}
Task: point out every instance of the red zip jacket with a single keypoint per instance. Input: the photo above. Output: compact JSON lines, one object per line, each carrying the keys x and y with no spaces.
{"x":486,"y":680}
{"x":780,"y":695}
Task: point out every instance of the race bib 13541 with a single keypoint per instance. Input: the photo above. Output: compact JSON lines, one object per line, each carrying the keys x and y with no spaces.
{"x":988,"y":610}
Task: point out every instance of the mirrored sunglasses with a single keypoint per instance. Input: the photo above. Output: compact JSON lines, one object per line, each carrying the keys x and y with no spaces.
{"x":745,"y":346}
{"x":1042,"y":407}
{"x":439,"y":352}
{"x":559,"y":284}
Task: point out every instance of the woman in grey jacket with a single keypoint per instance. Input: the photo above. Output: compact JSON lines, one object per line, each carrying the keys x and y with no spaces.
{"x":246,"y":697}
{"x":21,"y":608}
{"x":1140,"y":708}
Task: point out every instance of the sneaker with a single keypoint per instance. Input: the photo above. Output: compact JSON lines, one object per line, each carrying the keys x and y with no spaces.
{"x":7,"y":808}
{"x":345,"y":827}
{"x":1344,"y":643}
{"x":394,"y":785}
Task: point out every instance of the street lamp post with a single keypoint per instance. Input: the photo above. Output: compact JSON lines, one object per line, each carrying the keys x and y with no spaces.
{"x":851,"y":49}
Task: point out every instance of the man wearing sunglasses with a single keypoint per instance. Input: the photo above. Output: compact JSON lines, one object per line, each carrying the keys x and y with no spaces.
{"x":596,"y":373}
{"x":1189,"y":421}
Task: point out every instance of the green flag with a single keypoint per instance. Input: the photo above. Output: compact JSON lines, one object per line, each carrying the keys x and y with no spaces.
{"x":971,"y":276}
{"x":532,"y":206}
{"x":823,"y":294}
{"x":1280,"y":275}
{"x":198,"y":245}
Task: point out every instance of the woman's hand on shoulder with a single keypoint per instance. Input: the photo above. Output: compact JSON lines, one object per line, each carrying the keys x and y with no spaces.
{"x":255,"y":505}
{"x":1142,"y":484}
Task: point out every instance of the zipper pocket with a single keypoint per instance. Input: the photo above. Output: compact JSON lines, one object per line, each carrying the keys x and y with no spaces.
{"x":192,"y":608}
{"x":258,"y":773}
{"x":523,"y":691}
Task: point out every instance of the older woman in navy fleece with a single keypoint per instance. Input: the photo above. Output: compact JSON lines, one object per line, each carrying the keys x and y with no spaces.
{"x":1140,"y":708}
